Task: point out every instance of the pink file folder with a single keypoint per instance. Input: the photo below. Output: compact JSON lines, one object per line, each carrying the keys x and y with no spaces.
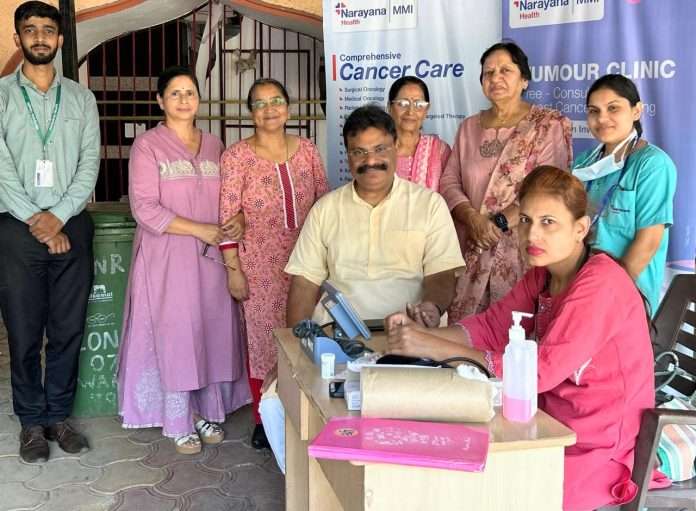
{"x":423,"y":444}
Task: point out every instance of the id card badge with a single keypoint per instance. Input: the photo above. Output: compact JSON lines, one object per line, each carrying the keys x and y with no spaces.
{"x":43,"y":177}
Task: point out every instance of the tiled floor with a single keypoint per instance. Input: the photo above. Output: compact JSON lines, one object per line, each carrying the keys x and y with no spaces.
{"x":135,"y":470}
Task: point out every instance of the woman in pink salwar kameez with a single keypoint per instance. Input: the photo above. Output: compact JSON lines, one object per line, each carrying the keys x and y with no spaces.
{"x":595,"y":365}
{"x":492,"y":152}
{"x":181,"y":361}
{"x":420,"y":157}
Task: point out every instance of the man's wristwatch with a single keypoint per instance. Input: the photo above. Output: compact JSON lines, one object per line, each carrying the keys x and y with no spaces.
{"x":501,"y":222}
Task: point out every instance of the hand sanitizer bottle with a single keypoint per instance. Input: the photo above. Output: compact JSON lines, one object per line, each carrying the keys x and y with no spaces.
{"x":519,"y":373}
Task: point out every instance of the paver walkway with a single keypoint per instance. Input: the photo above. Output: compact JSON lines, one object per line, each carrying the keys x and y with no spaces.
{"x":135,"y":470}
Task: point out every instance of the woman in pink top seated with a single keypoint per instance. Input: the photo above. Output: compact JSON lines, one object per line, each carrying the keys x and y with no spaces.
{"x":492,"y":152}
{"x":420,"y":157}
{"x":595,"y":368}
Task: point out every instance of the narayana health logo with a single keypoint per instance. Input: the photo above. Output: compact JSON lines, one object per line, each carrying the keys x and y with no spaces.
{"x":528,"y":5}
{"x":354,"y":16}
{"x":529,"y":13}
{"x":545,"y":5}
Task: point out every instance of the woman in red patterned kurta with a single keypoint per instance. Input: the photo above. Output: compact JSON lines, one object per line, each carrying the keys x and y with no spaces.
{"x":274,"y":179}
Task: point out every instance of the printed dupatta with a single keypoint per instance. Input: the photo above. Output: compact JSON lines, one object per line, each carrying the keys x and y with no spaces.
{"x":426,"y":164}
{"x":491,"y":274}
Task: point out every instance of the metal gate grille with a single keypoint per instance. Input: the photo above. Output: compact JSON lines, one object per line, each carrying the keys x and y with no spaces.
{"x":123,"y":72}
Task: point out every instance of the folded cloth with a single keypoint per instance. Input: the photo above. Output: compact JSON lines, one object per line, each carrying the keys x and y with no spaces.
{"x":677,"y":447}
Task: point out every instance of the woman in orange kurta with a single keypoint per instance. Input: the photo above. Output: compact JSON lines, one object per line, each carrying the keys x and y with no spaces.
{"x":492,"y":153}
{"x":274,"y":179}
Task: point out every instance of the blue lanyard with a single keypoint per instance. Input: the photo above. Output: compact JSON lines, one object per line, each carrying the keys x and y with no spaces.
{"x":604,"y":201}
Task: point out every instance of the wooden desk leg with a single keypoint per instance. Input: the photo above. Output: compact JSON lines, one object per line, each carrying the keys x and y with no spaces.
{"x":297,"y":471}
{"x":321,"y":494}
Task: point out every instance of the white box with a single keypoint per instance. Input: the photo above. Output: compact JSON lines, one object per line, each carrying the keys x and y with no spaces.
{"x":351,"y":393}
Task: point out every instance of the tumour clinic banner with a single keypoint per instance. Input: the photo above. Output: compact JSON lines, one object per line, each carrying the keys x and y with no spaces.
{"x":571,"y":43}
{"x":371,"y":43}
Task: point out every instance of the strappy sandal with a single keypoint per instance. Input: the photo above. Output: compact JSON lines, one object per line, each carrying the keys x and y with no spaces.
{"x":188,"y":444}
{"x":209,"y":432}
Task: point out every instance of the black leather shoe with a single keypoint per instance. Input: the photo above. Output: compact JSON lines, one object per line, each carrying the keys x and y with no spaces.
{"x":70,"y":440}
{"x":33,"y":446}
{"x":258,"y":438}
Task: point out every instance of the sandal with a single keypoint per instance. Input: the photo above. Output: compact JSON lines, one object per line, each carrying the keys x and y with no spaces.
{"x":188,"y":444}
{"x":209,"y":432}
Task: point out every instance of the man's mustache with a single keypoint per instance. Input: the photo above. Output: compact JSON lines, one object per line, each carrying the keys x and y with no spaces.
{"x":364,"y":168}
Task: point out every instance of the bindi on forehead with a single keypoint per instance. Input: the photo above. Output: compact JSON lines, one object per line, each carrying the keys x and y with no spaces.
{"x":181,"y":82}
{"x":411,"y":90}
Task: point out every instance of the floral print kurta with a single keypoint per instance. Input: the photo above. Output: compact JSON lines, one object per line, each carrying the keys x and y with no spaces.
{"x":491,"y":184}
{"x":253,"y":185}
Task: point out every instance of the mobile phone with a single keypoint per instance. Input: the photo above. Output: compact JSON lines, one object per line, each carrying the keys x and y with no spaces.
{"x":336,"y":389}
{"x":375,"y":325}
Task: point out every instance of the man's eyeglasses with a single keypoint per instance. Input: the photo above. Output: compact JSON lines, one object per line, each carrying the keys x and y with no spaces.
{"x":418,"y":104}
{"x":205,"y":254}
{"x":260,"y":104}
{"x":361,"y":154}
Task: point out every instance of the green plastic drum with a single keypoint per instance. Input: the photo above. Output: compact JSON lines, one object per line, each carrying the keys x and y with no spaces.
{"x":113,"y":241}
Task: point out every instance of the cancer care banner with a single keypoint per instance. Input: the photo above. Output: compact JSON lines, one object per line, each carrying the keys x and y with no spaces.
{"x":370,"y":43}
{"x":571,"y":43}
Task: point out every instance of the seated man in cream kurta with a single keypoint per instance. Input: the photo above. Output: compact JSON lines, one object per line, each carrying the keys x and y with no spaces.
{"x":382,"y":241}
{"x":387,"y":244}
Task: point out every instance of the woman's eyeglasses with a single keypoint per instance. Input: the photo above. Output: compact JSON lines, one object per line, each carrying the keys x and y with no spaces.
{"x":418,"y":104}
{"x":205,"y":254}
{"x":260,"y":104}
{"x":182,"y":95}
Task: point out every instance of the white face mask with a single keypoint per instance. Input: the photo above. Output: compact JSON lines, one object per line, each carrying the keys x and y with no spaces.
{"x":605,"y":166}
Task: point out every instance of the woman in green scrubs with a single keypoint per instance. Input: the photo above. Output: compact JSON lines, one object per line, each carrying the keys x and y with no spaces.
{"x":630,"y":183}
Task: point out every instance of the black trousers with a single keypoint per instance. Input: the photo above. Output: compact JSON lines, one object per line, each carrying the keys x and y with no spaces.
{"x":43,"y":292}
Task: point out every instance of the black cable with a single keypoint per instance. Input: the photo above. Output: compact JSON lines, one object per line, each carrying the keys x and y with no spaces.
{"x":308,"y":328}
